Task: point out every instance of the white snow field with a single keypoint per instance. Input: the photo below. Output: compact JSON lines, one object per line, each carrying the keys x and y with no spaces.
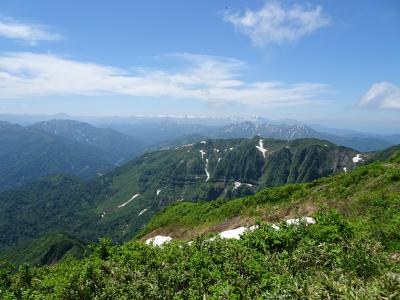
{"x":123,"y":204}
{"x":158,"y":240}
{"x":261,"y":148}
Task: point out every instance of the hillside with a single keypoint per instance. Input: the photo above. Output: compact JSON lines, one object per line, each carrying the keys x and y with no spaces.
{"x":369,"y":196}
{"x":118,"y":146}
{"x":27,"y":154}
{"x":119,"y":203}
{"x":352,"y":251}
{"x":47,"y":250}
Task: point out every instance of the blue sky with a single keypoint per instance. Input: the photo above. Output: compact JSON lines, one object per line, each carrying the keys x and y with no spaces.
{"x":330,"y":62}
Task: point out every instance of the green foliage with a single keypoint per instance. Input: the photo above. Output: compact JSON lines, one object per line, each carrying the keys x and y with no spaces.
{"x":46,"y":250}
{"x":290,"y":263}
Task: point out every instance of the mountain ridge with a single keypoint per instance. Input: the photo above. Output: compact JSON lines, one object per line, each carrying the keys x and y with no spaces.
{"x":117,"y":204}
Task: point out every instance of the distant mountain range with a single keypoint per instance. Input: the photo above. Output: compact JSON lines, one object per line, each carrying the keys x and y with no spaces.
{"x":81,"y":149}
{"x":119,"y":203}
{"x":291,"y":132}
{"x":59,"y":146}
{"x":118,"y":146}
{"x":180,"y":134}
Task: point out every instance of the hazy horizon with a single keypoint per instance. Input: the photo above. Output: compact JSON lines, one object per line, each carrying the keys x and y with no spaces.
{"x":330,"y":63}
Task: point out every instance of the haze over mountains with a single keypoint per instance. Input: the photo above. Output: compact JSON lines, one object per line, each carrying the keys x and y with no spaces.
{"x":81,"y":149}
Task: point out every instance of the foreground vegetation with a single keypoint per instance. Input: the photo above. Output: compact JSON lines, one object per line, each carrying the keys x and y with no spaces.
{"x":331,"y":259}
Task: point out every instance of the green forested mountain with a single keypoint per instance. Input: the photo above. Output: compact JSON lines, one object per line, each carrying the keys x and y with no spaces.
{"x":119,"y":203}
{"x":46,"y":250}
{"x":352,"y":251}
{"x":27,"y":154}
{"x":118,"y":146}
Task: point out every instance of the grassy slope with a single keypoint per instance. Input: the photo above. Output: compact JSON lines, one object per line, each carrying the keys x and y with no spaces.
{"x":368,"y":195}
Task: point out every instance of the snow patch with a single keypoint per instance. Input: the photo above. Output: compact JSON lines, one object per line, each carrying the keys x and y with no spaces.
{"x":254,"y":227}
{"x":345,"y":169}
{"x":202,"y":153}
{"x":203,"y":142}
{"x":103,"y":214}
{"x":123,"y":204}
{"x":142,"y":212}
{"x":208,"y":173}
{"x":186,"y":145}
{"x":274,"y":226}
{"x":233,"y":234}
{"x":230,"y":149}
{"x":357,"y":158}
{"x":261,"y":148}
{"x":236,"y":184}
{"x":297,"y":221}
{"x":158,"y":192}
{"x":158,"y":240}
{"x":219,"y":159}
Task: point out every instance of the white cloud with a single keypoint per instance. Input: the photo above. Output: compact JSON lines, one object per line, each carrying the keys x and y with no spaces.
{"x":383,"y":95}
{"x":31,"y":33}
{"x":277,"y":24}
{"x":206,"y":78}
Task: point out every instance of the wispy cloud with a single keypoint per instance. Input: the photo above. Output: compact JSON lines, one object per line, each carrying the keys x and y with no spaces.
{"x":384,"y":95}
{"x":30,"y":33}
{"x":275,"y":23}
{"x":206,"y":78}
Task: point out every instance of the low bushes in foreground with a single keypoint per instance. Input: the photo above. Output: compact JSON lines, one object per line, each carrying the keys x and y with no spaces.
{"x":326,"y":260}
